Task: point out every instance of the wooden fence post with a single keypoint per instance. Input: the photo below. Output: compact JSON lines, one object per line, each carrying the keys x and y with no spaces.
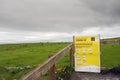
{"x":48,"y":65}
{"x":71,"y":58}
{"x":51,"y":70}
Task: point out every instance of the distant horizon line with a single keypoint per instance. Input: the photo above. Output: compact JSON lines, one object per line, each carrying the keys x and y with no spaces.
{"x":24,"y":42}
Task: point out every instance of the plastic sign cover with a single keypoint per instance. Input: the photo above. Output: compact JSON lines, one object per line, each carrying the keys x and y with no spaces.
{"x":87,"y":53}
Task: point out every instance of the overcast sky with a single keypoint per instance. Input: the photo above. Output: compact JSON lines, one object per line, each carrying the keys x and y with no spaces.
{"x":57,"y":20}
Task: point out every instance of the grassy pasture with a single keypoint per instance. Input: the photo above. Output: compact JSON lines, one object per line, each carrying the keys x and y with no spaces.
{"x":110,"y":55}
{"x":15,"y":55}
{"x":27,"y":54}
{"x":33,"y":54}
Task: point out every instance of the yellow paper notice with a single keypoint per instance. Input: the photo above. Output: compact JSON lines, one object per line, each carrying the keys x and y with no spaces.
{"x":87,"y":53}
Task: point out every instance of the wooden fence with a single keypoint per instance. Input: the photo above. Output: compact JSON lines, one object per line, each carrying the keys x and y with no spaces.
{"x":49,"y":65}
{"x":110,"y":42}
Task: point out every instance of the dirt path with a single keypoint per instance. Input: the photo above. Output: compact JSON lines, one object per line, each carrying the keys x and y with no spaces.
{"x":94,"y":76}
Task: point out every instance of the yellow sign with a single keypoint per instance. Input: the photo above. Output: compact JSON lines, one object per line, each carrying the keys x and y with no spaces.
{"x":87,"y":53}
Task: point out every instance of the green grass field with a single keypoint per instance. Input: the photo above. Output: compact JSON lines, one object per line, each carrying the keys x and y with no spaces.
{"x":34,"y":54}
{"x":110,"y":55}
{"x":27,"y":54}
{"x":15,"y":55}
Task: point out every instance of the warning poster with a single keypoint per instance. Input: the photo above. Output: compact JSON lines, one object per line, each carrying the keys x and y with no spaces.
{"x":87,"y":53}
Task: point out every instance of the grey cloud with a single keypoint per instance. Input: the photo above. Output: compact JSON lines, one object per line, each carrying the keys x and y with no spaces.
{"x":62,"y":16}
{"x":45,"y":15}
{"x":106,"y":7}
{"x":109,"y":10}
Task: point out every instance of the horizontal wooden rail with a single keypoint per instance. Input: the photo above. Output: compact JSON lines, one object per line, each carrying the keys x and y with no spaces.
{"x":110,"y":42}
{"x":37,"y":72}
